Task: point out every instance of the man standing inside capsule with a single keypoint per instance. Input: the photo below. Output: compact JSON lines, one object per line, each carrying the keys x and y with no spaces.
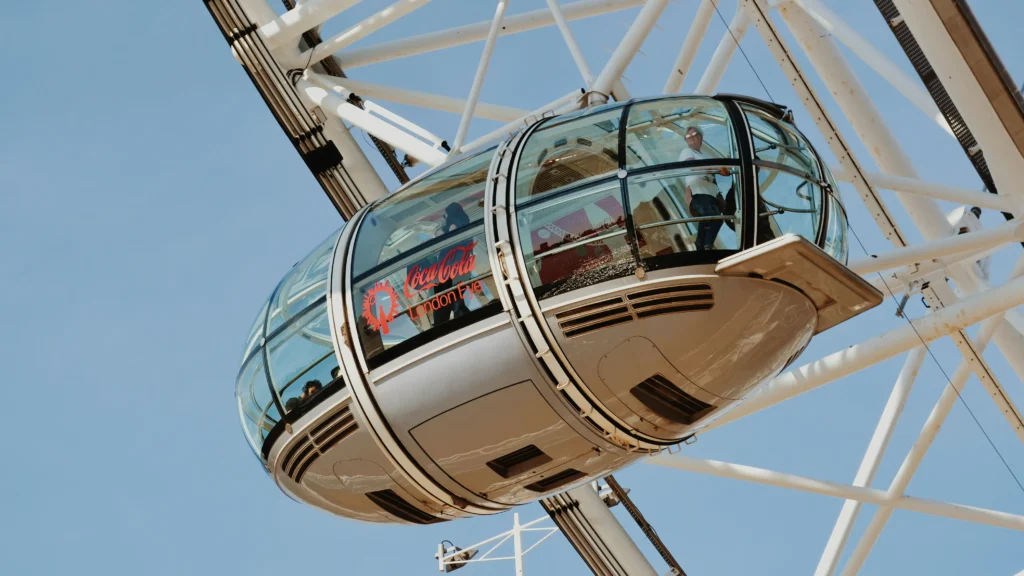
{"x":702,"y":190}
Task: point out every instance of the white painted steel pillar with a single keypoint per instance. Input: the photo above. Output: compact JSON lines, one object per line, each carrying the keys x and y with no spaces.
{"x":1010,"y":232}
{"x":1004,"y":160}
{"x":517,"y":543}
{"x":825,"y":488}
{"x":330,"y":101}
{"x":628,"y":46}
{"x":881,"y":143}
{"x":723,"y":54}
{"x":920,"y":447}
{"x":910,"y":87}
{"x":698,"y":28}
{"x":872,"y":459}
{"x":470,"y":33}
{"x":611,"y":532}
{"x":934,"y":190}
{"x":478,"y":79}
{"x":570,"y":42}
{"x":357,"y":32}
{"x":307,"y":15}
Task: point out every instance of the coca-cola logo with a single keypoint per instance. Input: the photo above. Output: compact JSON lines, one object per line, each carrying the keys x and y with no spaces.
{"x":456,"y":262}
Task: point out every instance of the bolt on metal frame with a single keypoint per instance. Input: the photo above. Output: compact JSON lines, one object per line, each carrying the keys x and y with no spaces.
{"x":816,"y":30}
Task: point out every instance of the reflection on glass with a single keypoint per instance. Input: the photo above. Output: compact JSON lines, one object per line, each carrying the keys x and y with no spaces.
{"x":678,"y":130}
{"x":576,"y":240}
{"x":788,"y":204}
{"x":778,"y":143}
{"x":304,"y":284}
{"x":441,"y":203}
{"x":289,"y":352}
{"x":836,"y":244}
{"x":569,"y":153}
{"x":413,"y":294}
{"x":669,"y":218}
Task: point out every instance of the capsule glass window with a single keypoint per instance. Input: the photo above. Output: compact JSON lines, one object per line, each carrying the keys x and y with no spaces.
{"x":575,"y":239}
{"x":420,"y":267}
{"x":678,"y":130}
{"x":438,"y":206}
{"x":289,"y":359}
{"x":563,"y":154}
{"x":789,"y":199}
{"x":670,"y":218}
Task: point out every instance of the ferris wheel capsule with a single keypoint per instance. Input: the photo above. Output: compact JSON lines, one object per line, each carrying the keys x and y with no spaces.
{"x":530,"y":316}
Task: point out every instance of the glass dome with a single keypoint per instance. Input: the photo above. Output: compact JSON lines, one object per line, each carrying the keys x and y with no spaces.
{"x":666,"y":182}
{"x":288,"y":364}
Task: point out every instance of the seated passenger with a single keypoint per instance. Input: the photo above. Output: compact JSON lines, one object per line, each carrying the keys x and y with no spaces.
{"x":702,"y":196}
{"x":309,"y":389}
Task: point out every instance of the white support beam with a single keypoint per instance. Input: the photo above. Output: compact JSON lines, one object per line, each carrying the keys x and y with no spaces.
{"x":823,"y":120}
{"x":476,"y":32}
{"x":825,"y":488}
{"x":881,"y":143}
{"x":724,"y":53}
{"x":924,"y":441}
{"x":1004,"y":159}
{"x":960,"y":315}
{"x":910,"y":87}
{"x":872,"y":459}
{"x":935,"y":190}
{"x":570,"y":43}
{"x":478,"y":79}
{"x":894,"y":283}
{"x":553,"y":107}
{"x":427,"y":100}
{"x":628,"y":46}
{"x":688,"y":51}
{"x":294,"y":23}
{"x":329,"y":101}
{"x":1012,"y":231}
{"x":355,"y":33}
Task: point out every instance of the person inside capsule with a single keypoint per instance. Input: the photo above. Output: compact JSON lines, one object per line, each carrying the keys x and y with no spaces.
{"x":702,"y":195}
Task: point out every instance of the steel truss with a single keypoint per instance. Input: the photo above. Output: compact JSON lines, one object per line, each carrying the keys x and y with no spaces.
{"x":269,"y":45}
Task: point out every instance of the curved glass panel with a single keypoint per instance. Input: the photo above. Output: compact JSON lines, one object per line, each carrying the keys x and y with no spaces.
{"x":561,"y":154}
{"x":289,"y":359}
{"x":576,"y":239}
{"x":424,"y":294}
{"x":678,"y":130}
{"x":787,"y":204}
{"x":836,"y":242}
{"x":776,"y":142}
{"x":789,"y":181}
{"x":670,"y":219}
{"x":440,"y":204}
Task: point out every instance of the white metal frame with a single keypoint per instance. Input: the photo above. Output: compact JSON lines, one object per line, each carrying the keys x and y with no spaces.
{"x":816,"y":30}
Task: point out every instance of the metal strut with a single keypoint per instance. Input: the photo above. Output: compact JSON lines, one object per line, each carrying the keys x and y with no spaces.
{"x":644,"y":525}
{"x":330,"y":66}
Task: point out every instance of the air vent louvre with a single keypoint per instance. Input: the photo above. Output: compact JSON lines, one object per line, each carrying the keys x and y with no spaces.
{"x":557,"y":480}
{"x":324,"y":436}
{"x":393,"y":504}
{"x":515,"y":463}
{"x":671,"y":299}
{"x":663,"y":398}
{"x":589,"y":317}
{"x":645,"y":303}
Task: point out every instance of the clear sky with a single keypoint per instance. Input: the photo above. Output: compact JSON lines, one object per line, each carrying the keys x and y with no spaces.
{"x":149,"y":203}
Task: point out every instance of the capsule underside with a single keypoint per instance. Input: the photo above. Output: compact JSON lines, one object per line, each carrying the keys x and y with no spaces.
{"x":539,"y":314}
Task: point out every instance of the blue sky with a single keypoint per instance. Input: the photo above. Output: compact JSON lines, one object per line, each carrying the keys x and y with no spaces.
{"x":149,"y":203}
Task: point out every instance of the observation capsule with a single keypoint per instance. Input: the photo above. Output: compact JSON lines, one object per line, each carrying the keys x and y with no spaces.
{"x":529,"y":317}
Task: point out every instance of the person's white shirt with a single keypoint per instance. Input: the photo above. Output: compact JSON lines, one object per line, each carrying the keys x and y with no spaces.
{"x":699,"y":183}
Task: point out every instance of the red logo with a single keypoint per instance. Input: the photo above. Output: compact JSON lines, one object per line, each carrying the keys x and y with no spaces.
{"x":379,"y":306}
{"x":457,"y":262}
